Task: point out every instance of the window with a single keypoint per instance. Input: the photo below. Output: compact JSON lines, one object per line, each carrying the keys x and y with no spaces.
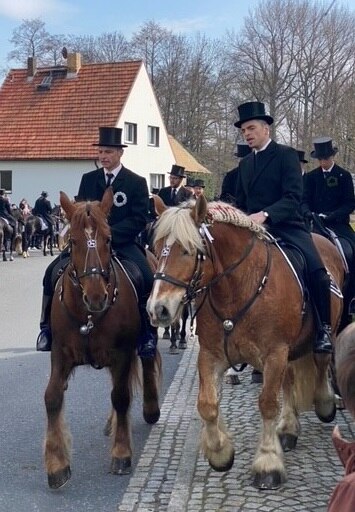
{"x":153,"y":136}
{"x":130,"y":133}
{"x":6,"y":180}
{"x":156,"y":181}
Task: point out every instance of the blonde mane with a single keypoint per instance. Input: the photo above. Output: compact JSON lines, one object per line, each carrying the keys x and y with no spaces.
{"x":177,"y":225}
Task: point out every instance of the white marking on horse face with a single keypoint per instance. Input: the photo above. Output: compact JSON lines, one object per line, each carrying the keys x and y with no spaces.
{"x":89,"y":232}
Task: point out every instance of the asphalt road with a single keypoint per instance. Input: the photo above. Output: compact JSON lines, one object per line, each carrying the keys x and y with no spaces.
{"x":23,"y":378}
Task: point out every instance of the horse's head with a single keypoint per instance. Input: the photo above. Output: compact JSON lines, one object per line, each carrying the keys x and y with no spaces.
{"x":180,"y":251}
{"x":90,"y":239}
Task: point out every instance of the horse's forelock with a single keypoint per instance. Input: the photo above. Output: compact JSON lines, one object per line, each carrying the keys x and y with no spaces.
{"x":176,"y":225}
{"x":89,"y":214}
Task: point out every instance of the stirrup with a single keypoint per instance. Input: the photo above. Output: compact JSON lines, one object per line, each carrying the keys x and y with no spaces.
{"x":44,"y":340}
{"x":323,"y":342}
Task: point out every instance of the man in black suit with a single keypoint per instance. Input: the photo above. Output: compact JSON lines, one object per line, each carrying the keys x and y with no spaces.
{"x":43,"y":208}
{"x":128,"y":217}
{"x":176,"y":193}
{"x":329,"y":193}
{"x":269,"y":188}
{"x":230,"y":179}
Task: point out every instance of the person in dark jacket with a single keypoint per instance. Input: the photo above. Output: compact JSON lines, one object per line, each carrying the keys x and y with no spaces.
{"x":176,"y":193}
{"x":5,"y":213}
{"x":230,"y":179}
{"x":329,"y":193}
{"x":127,"y":219}
{"x":269,"y":189}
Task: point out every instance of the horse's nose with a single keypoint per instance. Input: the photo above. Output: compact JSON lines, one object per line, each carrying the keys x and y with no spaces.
{"x":159,"y":314}
{"x":95,"y":303}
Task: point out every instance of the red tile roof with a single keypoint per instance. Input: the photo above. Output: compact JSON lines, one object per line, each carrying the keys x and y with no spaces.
{"x":62,"y":122}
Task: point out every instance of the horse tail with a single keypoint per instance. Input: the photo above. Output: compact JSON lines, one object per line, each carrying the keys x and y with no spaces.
{"x":345,"y":366}
{"x":302,"y":374}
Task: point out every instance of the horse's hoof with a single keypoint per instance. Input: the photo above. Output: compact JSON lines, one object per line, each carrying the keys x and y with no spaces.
{"x":166,"y":335}
{"x":182,"y":344}
{"x":224,"y":468}
{"x":288,"y":442}
{"x":329,"y":418}
{"x":173,"y":349}
{"x":11,"y":258}
{"x":24,"y":255}
{"x":4,"y":258}
{"x":121,"y":466}
{"x":268,"y":481}
{"x":232,"y":379}
{"x":152,"y":417}
{"x":60,"y":478}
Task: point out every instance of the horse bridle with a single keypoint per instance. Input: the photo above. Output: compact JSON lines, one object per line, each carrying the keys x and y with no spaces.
{"x":193,"y":290}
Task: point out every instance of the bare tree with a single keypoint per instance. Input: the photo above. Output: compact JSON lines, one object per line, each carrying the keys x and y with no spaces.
{"x":31,"y":39}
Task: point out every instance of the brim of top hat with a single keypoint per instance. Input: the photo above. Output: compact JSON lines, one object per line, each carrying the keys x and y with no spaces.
{"x":304,"y":161}
{"x":177,"y":175}
{"x":319,"y":156}
{"x":268,"y":119}
{"x":111,"y":145}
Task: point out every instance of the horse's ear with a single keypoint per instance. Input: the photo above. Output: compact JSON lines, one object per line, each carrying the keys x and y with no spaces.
{"x":199,"y":211}
{"x":159,"y":204}
{"x":107,"y":201}
{"x":66,"y":204}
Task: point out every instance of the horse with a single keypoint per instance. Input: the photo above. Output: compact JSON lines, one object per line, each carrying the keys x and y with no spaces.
{"x":34,"y":227}
{"x":95,"y":321}
{"x":10,"y":240}
{"x":250,"y":308}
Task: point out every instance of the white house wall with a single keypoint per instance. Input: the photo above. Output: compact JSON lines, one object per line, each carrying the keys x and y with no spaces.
{"x":29,"y":178}
{"x":142,"y":109}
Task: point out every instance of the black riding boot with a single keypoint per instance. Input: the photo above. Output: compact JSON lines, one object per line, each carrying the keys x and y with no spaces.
{"x":44,"y":340}
{"x":148,"y":338}
{"x":320,"y":289}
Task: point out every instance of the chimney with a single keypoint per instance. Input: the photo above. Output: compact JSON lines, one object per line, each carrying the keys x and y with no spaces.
{"x":73,"y":63}
{"x":31,"y":67}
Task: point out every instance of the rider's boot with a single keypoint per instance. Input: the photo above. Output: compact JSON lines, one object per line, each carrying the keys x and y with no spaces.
{"x":320,"y":287}
{"x":44,"y":339}
{"x":148,"y":337}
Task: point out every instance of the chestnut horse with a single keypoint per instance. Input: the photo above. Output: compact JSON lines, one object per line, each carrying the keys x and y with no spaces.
{"x":95,"y":320}
{"x":250,"y":308}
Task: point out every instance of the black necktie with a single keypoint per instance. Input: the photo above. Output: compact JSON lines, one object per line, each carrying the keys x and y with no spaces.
{"x":110,"y":177}
{"x":173,"y":195}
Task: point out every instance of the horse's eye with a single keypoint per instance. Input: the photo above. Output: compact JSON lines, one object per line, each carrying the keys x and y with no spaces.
{"x":186,"y":253}
{"x":108,"y":241}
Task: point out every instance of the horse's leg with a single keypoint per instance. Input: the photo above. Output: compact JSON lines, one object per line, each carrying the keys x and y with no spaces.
{"x":151,"y":371}
{"x":57,"y":446}
{"x":174,"y":328}
{"x":51,"y":241}
{"x":216,"y":443}
{"x":268,"y":466}
{"x":166,"y":334}
{"x":121,"y":451}
{"x":324,"y":399}
{"x":184,"y":316}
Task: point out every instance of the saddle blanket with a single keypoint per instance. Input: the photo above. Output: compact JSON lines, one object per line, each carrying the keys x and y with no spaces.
{"x":44,"y":225}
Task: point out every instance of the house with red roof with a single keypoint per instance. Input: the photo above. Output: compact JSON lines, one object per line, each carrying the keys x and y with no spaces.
{"x":49,"y":120}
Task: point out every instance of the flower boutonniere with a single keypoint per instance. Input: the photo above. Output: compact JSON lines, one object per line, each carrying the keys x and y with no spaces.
{"x":332,"y":181}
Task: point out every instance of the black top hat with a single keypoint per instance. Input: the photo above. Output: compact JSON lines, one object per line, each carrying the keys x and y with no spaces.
{"x":44,"y":194}
{"x":199,"y":183}
{"x":323,"y":148}
{"x":252,"y":110}
{"x":110,"y":137}
{"x":242,"y":149}
{"x":2,"y":191}
{"x":301,"y":156}
{"x":189,"y":181}
{"x":177,"y":170}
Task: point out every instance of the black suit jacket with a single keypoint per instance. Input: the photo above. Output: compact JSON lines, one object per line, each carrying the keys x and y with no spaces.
{"x":229,"y":186}
{"x":128,"y":216}
{"x":183,"y":194}
{"x":271,"y":181}
{"x":331,"y":194}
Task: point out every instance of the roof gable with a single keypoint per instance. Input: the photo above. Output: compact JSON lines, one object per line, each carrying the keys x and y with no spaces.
{"x":62,"y":122}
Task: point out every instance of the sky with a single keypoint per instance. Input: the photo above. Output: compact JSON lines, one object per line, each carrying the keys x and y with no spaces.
{"x":94,"y":17}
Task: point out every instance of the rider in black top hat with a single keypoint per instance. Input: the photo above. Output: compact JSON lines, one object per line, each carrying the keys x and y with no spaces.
{"x":127,"y":219}
{"x":269,"y":188}
{"x":176,"y":193}
{"x":329,"y":193}
{"x":5,"y":213}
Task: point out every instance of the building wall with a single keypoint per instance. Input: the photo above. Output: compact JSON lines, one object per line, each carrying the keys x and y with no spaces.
{"x":29,"y":178}
{"x":142,"y":109}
